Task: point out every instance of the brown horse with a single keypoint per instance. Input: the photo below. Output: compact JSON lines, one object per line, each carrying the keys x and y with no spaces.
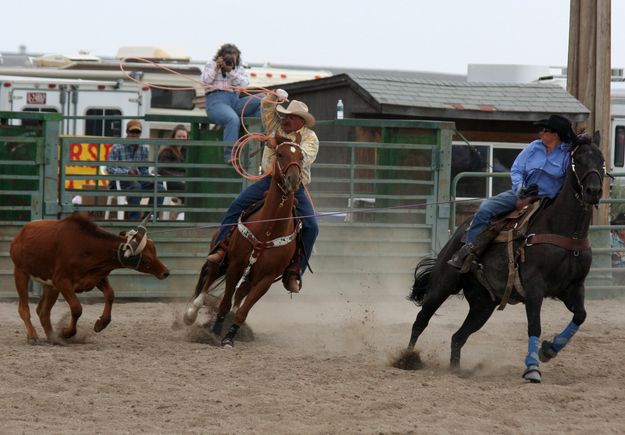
{"x":260,"y":248}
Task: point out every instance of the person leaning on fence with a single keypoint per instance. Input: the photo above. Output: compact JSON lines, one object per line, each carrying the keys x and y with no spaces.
{"x":292,"y":124}
{"x":223,"y":104}
{"x":174,"y":154}
{"x":539,"y":170}
{"x":134,"y":152}
{"x":618,"y":241}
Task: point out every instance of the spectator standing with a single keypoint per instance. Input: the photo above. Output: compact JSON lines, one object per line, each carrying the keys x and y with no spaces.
{"x":618,"y":241}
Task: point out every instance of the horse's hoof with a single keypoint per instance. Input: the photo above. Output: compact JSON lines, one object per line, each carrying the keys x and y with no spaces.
{"x":408,"y":359}
{"x":532,"y":374}
{"x":193,"y":308}
{"x":190,"y":315}
{"x":68,"y":333}
{"x":100,"y":325}
{"x":33,"y":341}
{"x":546,"y":352}
{"x":227,"y":342}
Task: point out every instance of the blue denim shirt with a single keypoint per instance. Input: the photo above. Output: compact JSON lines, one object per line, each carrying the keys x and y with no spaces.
{"x":534,"y":166}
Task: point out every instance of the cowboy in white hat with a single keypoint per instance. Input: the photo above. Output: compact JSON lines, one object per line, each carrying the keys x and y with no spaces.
{"x":292,"y":124}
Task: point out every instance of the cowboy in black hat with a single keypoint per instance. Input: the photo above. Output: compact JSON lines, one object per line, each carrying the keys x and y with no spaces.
{"x":539,"y":170}
{"x":559,"y":125}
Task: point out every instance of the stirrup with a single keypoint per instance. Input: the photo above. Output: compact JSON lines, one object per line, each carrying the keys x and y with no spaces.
{"x":292,"y":283}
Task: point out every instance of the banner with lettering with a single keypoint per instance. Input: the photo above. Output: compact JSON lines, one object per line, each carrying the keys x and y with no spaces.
{"x":87,"y":152}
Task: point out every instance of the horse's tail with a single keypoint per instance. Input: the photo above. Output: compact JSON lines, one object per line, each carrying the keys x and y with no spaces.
{"x":422,"y":278}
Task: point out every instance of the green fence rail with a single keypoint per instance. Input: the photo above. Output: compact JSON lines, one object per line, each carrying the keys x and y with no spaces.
{"x":27,"y":146}
{"x":380,"y":187}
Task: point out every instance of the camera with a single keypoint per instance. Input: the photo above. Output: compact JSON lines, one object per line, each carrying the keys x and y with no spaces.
{"x":229,"y":60}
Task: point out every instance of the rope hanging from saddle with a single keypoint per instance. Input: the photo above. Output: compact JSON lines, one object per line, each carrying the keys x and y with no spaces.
{"x":258,"y":247}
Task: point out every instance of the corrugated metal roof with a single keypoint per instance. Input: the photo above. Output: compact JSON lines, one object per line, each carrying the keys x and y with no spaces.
{"x":468,"y":96}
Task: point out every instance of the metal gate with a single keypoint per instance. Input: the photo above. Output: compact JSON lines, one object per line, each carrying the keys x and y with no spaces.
{"x":380,"y":188}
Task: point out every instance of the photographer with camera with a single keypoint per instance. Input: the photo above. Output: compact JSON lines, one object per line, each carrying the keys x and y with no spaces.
{"x":224,"y":75}
{"x":539,"y":170}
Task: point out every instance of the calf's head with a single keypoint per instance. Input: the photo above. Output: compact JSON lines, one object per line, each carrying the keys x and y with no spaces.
{"x":139,"y":252}
{"x":150,"y":263}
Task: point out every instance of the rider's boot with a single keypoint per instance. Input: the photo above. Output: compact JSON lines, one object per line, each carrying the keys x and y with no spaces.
{"x":218,"y":253}
{"x":291,"y":277}
{"x":463,"y":258}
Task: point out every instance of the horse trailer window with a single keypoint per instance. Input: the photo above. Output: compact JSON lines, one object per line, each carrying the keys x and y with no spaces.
{"x":103,"y":126}
{"x":33,"y":122}
{"x":619,"y":146}
{"x":173,"y":99}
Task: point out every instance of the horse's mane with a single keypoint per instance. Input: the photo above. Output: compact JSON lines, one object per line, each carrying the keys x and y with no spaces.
{"x":87,"y":226}
{"x":582,"y":139}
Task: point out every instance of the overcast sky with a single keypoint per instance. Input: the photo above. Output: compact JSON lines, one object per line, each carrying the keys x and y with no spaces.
{"x":422,"y":35}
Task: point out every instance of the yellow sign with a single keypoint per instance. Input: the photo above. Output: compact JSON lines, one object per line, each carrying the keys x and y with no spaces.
{"x":86,"y":152}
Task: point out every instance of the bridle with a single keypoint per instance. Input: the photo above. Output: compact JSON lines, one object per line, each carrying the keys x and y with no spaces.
{"x":580,"y":180}
{"x":282,"y":171}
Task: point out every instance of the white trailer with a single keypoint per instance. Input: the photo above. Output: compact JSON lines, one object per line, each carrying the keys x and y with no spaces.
{"x":76,"y":98}
{"x":617,"y":126}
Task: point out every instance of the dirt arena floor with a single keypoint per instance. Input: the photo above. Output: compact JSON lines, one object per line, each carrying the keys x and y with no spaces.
{"x":319,"y":363}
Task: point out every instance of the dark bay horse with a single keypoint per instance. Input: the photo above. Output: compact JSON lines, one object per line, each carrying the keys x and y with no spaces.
{"x":260,"y":248}
{"x":557,"y":258}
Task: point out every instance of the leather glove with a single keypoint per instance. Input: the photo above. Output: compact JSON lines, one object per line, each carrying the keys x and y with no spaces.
{"x":282,"y":95}
{"x":531,"y":190}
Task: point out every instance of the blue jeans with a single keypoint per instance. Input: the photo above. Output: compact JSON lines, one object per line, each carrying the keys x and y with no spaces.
{"x":135,"y":200}
{"x":491,"y":207}
{"x":254,"y":193}
{"x":224,"y":108}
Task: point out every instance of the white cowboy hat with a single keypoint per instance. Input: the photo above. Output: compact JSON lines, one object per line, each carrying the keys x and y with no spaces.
{"x":300,"y":109}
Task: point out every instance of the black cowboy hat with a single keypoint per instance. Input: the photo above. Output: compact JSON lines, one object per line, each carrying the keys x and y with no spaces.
{"x":618,"y":220}
{"x":560,"y":125}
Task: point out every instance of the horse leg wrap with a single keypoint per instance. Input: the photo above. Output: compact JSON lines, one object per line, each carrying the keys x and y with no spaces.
{"x":229,"y":338}
{"x":532,"y":352}
{"x":561,"y":340}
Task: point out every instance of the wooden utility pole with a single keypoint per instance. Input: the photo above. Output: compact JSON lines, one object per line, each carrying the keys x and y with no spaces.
{"x":589,"y":74}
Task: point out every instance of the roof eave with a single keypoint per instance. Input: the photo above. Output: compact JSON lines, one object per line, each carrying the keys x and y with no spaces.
{"x":494,"y":115}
